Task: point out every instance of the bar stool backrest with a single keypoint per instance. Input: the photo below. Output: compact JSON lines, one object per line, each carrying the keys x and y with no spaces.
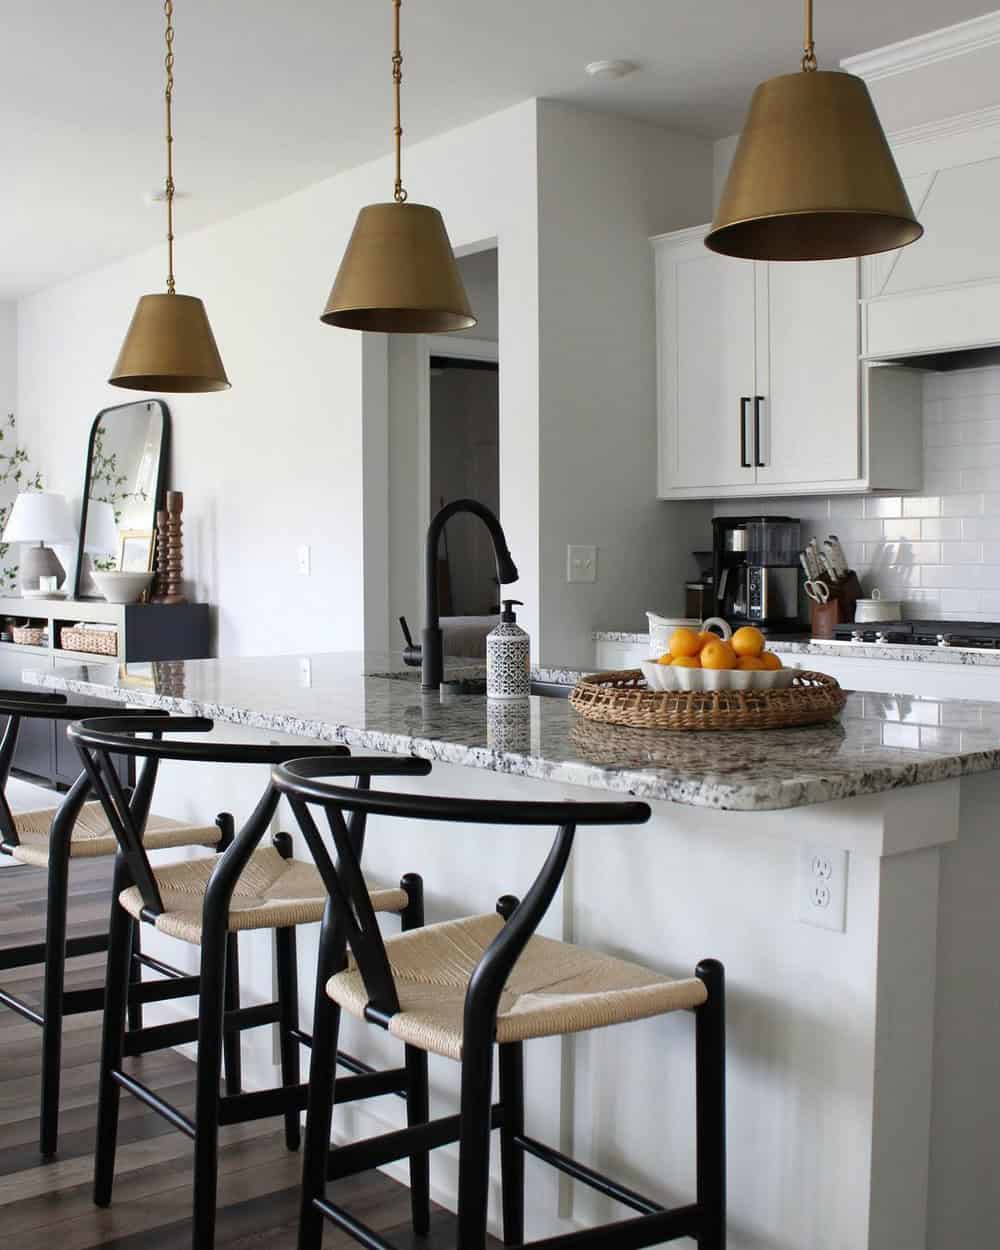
{"x":38,"y":705}
{"x":302,"y":782}
{"x":98,"y":738}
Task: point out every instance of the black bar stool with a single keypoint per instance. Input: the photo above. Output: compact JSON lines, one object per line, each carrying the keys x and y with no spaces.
{"x":50,"y":838}
{"x":207,"y":903}
{"x":457,"y":988}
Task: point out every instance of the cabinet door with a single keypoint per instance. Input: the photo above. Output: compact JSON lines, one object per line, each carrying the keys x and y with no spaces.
{"x":706,"y":362}
{"x":809,"y":413}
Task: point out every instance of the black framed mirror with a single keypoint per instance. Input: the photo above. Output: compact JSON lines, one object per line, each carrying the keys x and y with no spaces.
{"x":123,"y":487}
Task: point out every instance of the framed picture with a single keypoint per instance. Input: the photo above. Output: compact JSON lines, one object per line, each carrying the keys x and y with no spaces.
{"x":135,"y":554}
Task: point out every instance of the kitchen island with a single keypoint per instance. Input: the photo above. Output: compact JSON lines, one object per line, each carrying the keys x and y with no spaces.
{"x":864,"y":1033}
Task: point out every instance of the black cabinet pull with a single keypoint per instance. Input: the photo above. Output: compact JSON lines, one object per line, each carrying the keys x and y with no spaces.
{"x":744,"y":458}
{"x":757,"y":401}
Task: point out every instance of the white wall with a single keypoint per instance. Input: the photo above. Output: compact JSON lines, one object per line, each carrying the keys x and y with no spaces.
{"x":605,"y":186}
{"x":8,"y":358}
{"x":282,"y":458}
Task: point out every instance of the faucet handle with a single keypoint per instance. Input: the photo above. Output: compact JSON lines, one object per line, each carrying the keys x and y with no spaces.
{"x":412,"y":654}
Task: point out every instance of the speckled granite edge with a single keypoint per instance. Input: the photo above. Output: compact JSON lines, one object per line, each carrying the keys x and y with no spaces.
{"x":966,"y":656}
{"x":752,"y":792}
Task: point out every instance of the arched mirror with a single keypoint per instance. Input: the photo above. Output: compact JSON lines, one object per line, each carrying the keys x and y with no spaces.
{"x":122,"y":490}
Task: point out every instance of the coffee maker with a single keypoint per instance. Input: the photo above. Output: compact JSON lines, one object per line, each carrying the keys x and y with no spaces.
{"x":756,"y":563}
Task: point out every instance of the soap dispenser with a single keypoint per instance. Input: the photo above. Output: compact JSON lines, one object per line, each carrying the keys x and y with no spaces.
{"x":508,"y":657}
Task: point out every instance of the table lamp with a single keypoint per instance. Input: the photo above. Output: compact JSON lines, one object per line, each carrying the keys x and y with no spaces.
{"x":39,"y":517}
{"x":100,"y":540}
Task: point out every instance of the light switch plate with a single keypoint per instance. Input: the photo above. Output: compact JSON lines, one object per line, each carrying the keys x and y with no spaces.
{"x":304,"y":560}
{"x":581,"y":564}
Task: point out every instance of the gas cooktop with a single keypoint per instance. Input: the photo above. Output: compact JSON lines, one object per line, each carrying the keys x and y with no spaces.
{"x":984,"y":635}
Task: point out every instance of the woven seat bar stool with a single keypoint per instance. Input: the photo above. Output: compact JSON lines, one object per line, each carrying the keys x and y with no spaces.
{"x":51,"y":838}
{"x":208,"y":903}
{"x":459,"y":988}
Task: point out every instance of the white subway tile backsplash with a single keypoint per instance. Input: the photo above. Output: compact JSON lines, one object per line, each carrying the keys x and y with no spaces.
{"x":938,"y":551}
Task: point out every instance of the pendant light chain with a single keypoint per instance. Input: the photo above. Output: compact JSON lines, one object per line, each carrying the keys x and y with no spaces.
{"x":168,"y":64}
{"x":397,"y":79}
{"x":809,"y":62}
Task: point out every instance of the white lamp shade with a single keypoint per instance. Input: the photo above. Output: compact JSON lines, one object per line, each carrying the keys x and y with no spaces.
{"x":40,"y":516}
{"x":102,"y":532}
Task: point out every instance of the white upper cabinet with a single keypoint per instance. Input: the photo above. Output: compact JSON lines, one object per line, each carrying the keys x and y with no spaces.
{"x":760,"y":386}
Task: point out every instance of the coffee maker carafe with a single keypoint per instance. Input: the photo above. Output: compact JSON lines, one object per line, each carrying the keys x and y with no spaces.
{"x":756,"y":571}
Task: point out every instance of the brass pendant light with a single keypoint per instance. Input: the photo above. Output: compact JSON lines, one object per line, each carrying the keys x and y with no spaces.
{"x":399,"y":274}
{"x":813,"y":177}
{"x":169,"y":345}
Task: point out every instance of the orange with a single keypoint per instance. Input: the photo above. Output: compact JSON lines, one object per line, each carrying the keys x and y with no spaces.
{"x":718,"y":654}
{"x":665,"y":658}
{"x":748,"y":641}
{"x":684,"y":641}
{"x":687,"y":661}
{"x":751,"y":663}
{"x":705,"y":637}
{"x":770,"y":661}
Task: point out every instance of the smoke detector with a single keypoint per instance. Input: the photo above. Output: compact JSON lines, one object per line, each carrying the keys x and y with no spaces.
{"x":611,"y":69}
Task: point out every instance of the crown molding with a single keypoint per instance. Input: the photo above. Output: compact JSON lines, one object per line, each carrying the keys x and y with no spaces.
{"x":923,"y":50}
{"x":942,"y":128}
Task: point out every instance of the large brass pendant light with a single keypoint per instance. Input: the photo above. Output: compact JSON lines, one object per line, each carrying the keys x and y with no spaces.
{"x":813,"y":177}
{"x":399,"y":274}
{"x":169,"y":345}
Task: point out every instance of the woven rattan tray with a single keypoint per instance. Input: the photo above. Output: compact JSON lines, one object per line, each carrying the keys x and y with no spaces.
{"x":95,"y":641}
{"x":622,"y":698}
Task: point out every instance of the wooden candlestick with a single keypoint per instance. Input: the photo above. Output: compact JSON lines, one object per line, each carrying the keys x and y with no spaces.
{"x":170,"y":551}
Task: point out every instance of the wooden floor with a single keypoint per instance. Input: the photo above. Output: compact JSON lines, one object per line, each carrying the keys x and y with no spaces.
{"x":48,"y":1206}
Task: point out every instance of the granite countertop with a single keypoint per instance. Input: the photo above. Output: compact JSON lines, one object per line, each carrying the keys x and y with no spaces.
{"x":967,"y":656}
{"x":881,"y":743}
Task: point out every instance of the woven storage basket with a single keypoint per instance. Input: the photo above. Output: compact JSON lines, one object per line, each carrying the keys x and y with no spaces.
{"x":622,"y":698}
{"x":95,"y":641}
{"x":28,"y":635}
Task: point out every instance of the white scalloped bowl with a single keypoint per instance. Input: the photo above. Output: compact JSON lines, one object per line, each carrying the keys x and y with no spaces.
{"x":662,"y":677}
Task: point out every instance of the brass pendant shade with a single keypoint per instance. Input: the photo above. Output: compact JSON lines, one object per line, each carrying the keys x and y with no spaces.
{"x":170,"y":347}
{"x":813,"y":177}
{"x":399,"y":275}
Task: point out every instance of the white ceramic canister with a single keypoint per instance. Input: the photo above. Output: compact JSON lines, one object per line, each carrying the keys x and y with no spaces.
{"x":508,"y":657}
{"x":877,"y":609}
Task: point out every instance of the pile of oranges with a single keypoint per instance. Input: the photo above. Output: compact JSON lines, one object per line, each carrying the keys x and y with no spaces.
{"x":745,"y":650}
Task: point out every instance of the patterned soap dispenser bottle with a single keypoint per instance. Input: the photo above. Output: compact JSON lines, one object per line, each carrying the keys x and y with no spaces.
{"x":508,"y":657}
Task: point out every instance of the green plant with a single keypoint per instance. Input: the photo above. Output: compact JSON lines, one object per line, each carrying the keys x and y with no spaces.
{"x":15,"y":469}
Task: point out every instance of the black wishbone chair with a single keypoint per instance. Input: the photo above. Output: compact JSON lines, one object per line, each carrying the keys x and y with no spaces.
{"x":458,"y":988}
{"x":50,"y":838}
{"x":207,"y":903}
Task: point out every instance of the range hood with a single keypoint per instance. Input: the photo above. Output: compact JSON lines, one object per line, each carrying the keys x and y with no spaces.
{"x":948,"y":360}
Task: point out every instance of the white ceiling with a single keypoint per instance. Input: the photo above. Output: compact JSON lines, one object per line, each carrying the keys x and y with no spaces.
{"x":272,"y":96}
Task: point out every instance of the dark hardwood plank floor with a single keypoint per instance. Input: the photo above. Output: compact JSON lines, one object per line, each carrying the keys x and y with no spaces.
{"x":47,"y":1206}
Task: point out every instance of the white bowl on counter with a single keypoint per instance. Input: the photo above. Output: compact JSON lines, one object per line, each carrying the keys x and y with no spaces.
{"x":119,"y":587}
{"x":665,"y":677}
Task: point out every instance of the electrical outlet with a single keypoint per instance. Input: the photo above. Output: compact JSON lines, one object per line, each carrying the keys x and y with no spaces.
{"x":304,"y":560}
{"x":305,"y":672}
{"x":823,"y":887}
{"x":581,"y":564}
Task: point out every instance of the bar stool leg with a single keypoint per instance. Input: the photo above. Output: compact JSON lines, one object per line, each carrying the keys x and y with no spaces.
{"x":288,"y":1020}
{"x":231,"y":1042}
{"x":322,"y":1075}
{"x":112,"y":1038}
{"x":418,"y":1110}
{"x":135,"y":980}
{"x":710,"y":1086}
{"x":474,"y":1156}
{"x":211,"y":1006}
{"x":52,"y":995}
{"x":511,"y":1065}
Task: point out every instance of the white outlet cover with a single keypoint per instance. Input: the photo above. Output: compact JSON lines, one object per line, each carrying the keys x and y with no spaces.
{"x":822,"y":887}
{"x":581,"y":563}
{"x":304,"y":561}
